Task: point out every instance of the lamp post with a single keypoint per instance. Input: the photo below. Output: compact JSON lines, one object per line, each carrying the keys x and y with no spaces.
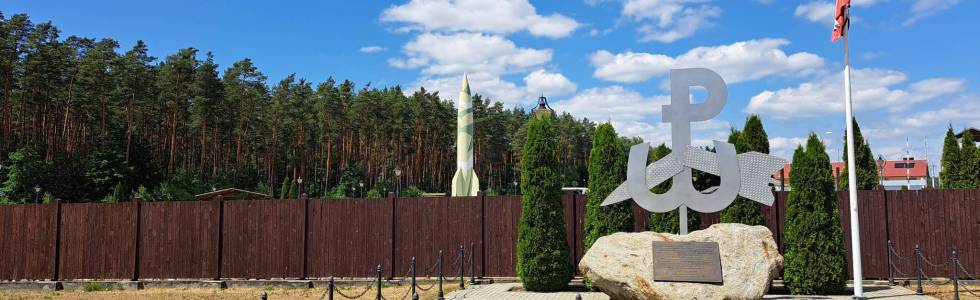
{"x":398,"y":181}
{"x":37,"y":194}
{"x":300,"y":182}
{"x":881,"y":170}
{"x":516,"y":190}
{"x":360,"y":185}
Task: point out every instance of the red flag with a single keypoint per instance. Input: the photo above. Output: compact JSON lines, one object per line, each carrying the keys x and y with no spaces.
{"x":840,"y":19}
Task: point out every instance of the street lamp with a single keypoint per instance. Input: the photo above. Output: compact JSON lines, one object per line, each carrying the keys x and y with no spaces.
{"x":516,"y":191}
{"x":881,"y":170}
{"x":300,"y":182}
{"x":361,"y":185}
{"x":37,"y":194}
{"x":398,"y":181}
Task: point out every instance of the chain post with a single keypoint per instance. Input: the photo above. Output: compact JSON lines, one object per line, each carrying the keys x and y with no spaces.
{"x":414,"y":294}
{"x":330,"y":288}
{"x":472,"y":264}
{"x":378,"y":282}
{"x":578,"y":296}
{"x":440,"y":297}
{"x":918,"y":272}
{"x":462,"y":263}
{"x":956,"y":279}
{"x":264,"y":296}
{"x":891,"y":262}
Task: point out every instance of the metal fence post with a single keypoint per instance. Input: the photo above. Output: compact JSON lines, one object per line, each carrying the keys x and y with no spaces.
{"x":891,"y":274}
{"x":57,"y":240}
{"x":472,"y":264}
{"x":378,"y":282}
{"x":462,"y":262}
{"x":956,"y":279}
{"x":413,"y":278}
{"x":440,"y":297}
{"x":330,"y":288}
{"x":918,"y":272}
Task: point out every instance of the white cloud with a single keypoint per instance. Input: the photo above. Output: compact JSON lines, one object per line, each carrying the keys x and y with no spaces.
{"x":549,"y":84}
{"x":372,"y":49}
{"x":702,"y":133}
{"x":925,"y":8}
{"x":442,"y":54}
{"x":737,"y":62}
{"x":669,"y":20}
{"x":499,"y":16}
{"x":483,"y":83}
{"x":613,"y":102}
{"x":962,"y":113}
{"x":871,"y":89}
{"x":823,"y":11}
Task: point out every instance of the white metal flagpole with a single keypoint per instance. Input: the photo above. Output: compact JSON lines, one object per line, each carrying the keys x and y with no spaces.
{"x":851,"y":174}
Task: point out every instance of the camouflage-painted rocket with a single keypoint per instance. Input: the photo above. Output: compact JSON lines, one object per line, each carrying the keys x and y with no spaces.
{"x":465,"y":182}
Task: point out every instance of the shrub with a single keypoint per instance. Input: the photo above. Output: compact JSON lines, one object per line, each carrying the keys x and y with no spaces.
{"x":752,"y":138}
{"x":542,"y":252}
{"x":815,"y":262}
{"x":607,"y":169}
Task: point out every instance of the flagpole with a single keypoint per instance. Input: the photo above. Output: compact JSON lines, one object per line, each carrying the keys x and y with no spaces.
{"x":851,"y":174}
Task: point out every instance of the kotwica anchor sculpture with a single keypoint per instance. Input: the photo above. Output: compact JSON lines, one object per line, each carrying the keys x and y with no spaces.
{"x":746,"y":174}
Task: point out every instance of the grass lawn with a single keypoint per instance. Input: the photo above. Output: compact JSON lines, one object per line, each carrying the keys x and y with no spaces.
{"x":946,"y":291}
{"x":393,"y":292}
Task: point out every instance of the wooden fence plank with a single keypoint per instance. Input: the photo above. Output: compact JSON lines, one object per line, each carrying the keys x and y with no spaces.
{"x":27,"y":239}
{"x":179,"y":240}
{"x":97,"y":240}
{"x":349,"y":237}
{"x":263,"y":239}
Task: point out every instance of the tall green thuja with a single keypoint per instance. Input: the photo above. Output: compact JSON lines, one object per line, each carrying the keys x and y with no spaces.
{"x":970,"y":160}
{"x":607,"y":169}
{"x":543,"y":262}
{"x":815,"y":262}
{"x":284,"y":190}
{"x":949,"y":177}
{"x":753,"y":137}
{"x":668,"y":222}
{"x":865,"y":165}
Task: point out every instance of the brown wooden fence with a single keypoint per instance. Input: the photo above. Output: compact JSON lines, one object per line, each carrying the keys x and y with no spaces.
{"x":349,"y":238}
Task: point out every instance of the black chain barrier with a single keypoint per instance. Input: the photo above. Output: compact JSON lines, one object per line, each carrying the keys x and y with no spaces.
{"x":957,"y":271}
{"x":412,"y":273}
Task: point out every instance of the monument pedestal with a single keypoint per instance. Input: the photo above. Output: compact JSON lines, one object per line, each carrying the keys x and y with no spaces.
{"x":622,"y":264}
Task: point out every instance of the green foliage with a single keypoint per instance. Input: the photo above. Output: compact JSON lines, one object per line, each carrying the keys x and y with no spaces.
{"x":669,"y":222}
{"x":284,"y":189}
{"x":949,"y":177}
{"x":607,"y":165}
{"x":970,"y":162}
{"x":753,"y":137}
{"x":97,"y":287}
{"x":815,"y":262}
{"x":542,"y":252}
{"x":865,"y":165}
{"x":412,"y":191}
{"x":26,"y":169}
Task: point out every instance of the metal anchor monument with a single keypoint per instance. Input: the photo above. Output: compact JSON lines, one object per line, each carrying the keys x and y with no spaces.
{"x":746,"y":174}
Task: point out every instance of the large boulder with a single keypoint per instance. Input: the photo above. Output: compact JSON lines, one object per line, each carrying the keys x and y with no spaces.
{"x":621,"y":264}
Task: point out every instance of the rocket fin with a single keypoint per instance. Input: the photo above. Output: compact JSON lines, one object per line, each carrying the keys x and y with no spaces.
{"x":456,"y":179}
{"x":476,"y":185}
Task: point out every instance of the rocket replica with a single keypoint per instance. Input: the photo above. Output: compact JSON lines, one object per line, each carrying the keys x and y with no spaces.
{"x":465,"y":182}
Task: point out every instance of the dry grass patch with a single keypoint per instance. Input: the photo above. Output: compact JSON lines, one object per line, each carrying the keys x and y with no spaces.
{"x":945,"y":292}
{"x":394,"y":292}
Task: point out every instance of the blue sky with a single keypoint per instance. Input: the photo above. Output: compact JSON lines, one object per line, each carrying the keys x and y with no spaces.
{"x":915,"y":63}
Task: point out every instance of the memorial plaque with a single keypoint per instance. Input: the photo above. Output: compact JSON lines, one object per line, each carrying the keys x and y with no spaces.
{"x":687,"y":262}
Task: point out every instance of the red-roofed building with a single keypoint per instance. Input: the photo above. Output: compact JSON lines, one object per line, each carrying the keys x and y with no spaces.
{"x":908,"y":172}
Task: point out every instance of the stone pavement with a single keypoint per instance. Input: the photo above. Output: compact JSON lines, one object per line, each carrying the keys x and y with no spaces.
{"x":502,"y":291}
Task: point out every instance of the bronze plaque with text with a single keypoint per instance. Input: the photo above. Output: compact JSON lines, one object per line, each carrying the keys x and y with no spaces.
{"x":687,"y":262}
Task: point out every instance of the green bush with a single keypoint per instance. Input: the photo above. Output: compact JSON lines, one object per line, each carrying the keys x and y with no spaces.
{"x":865,"y":165}
{"x":97,"y":287}
{"x":542,"y":252}
{"x":669,"y":222}
{"x":752,"y":138}
{"x":815,"y":262}
{"x":607,"y":169}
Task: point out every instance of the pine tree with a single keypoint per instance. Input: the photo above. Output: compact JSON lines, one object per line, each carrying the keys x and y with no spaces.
{"x":542,"y":252}
{"x":866,"y":167}
{"x":753,"y":137}
{"x":668,"y":222}
{"x":607,"y":169}
{"x":949,"y":177}
{"x":815,"y":262}
{"x":970,"y":160}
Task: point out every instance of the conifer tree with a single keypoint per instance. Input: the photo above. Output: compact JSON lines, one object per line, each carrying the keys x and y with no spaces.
{"x":815,"y":262}
{"x":949,"y":177}
{"x":668,"y":222}
{"x":753,"y":137}
{"x":865,"y":165}
{"x":543,"y":262}
{"x":607,"y":169}
{"x":970,"y":158}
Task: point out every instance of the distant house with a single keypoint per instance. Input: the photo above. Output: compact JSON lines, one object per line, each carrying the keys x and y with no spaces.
{"x":232,"y":194}
{"x":973,"y":131}
{"x":894,"y":175}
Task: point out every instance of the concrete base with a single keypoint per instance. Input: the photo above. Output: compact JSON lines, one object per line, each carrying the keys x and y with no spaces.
{"x":30,"y":285}
{"x":115,"y":285}
{"x":183,"y":284}
{"x":286,"y":284}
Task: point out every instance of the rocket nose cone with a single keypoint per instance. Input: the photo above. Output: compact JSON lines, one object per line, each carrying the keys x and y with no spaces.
{"x":465,"y":87}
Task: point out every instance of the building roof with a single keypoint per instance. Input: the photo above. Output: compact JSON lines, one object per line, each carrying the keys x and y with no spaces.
{"x":232,"y":194}
{"x":973,"y":131}
{"x":893,"y":168}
